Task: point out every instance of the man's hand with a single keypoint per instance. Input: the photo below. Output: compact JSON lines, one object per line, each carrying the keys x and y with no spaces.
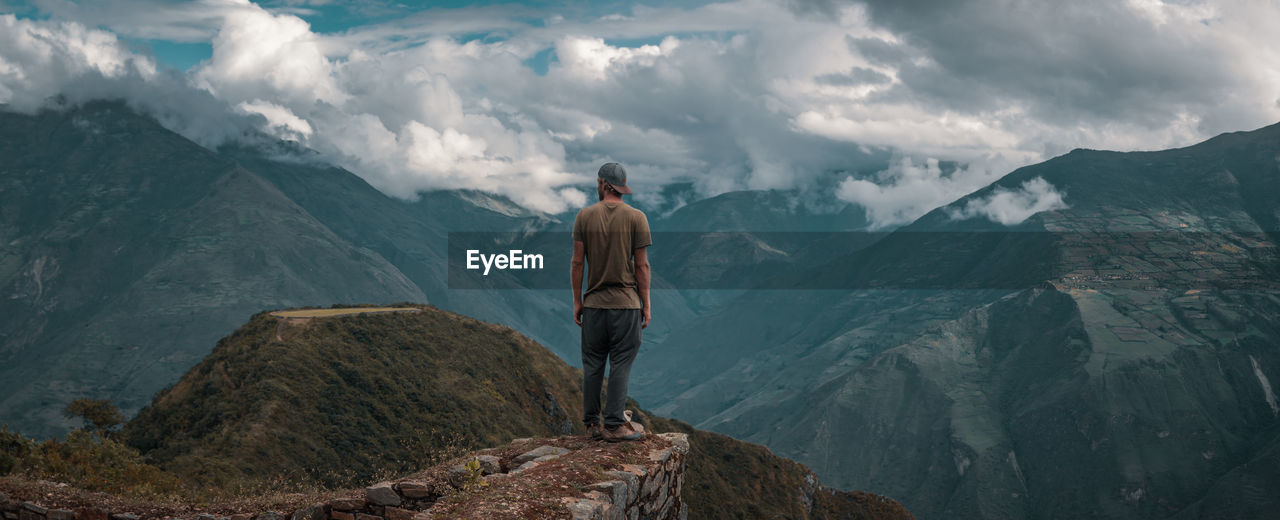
{"x":641,"y":259}
{"x":575,"y":278}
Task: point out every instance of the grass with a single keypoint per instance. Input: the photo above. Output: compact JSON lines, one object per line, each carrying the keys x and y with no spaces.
{"x":90,"y":469}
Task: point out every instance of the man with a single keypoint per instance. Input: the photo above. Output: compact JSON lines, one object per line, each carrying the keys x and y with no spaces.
{"x":611,"y":236}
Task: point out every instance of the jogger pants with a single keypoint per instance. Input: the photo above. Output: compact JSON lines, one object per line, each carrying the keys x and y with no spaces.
{"x":611,"y":335}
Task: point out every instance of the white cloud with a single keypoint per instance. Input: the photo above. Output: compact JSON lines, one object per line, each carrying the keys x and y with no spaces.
{"x":1010,"y":207}
{"x":574,"y":196}
{"x":592,"y":58}
{"x":280,"y":120}
{"x":260,"y":54}
{"x":38,"y":58}
{"x":907,"y":190}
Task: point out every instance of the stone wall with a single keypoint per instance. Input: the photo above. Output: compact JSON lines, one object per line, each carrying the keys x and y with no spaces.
{"x":650,"y":490}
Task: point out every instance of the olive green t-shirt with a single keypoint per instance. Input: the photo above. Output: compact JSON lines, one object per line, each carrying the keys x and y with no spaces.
{"x":609,"y":232}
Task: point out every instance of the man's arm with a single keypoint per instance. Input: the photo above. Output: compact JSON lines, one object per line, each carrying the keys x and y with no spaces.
{"x":575,"y":271}
{"x":642,"y":281}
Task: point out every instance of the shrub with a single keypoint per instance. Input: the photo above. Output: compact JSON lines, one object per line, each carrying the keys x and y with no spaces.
{"x":98,"y":414}
{"x":13,"y":447}
{"x":89,"y":461}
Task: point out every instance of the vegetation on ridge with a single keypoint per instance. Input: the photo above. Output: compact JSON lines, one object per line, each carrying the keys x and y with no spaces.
{"x":87,"y":460}
{"x":335,"y":400}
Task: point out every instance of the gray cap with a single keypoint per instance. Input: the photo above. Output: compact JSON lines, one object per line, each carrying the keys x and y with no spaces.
{"x":615,"y":175}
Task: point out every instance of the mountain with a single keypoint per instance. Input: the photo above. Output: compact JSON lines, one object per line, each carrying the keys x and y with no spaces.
{"x":1111,"y":359}
{"x":413,"y":236}
{"x":763,"y":211}
{"x":130,"y":249}
{"x":1107,"y":359}
{"x":110,"y":221}
{"x":387,"y":393}
{"x":712,"y":250}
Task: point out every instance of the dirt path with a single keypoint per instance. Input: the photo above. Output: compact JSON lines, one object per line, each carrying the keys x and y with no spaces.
{"x":299,"y":317}
{"x":345,"y":311}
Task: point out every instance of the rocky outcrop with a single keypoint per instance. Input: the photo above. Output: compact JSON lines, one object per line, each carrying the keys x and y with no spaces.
{"x":530,"y":478}
{"x":651,"y":491}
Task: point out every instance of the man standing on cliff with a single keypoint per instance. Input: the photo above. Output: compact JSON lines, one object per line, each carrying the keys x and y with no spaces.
{"x":611,"y":237}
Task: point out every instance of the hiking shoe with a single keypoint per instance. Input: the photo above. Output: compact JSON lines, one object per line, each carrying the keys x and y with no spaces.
{"x":595,"y":431}
{"x":635,"y":425}
{"x":629,"y":431}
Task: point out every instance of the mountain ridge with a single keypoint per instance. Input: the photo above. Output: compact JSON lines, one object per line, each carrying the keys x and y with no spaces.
{"x":366,"y":391}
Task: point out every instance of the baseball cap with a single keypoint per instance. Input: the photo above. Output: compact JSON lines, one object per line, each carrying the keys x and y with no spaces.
{"x":614,"y":174}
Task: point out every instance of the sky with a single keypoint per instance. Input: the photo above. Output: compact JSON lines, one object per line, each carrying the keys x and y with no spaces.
{"x":868,"y":101}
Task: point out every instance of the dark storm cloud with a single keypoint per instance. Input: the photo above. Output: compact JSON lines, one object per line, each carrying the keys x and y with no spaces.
{"x":1065,"y":61}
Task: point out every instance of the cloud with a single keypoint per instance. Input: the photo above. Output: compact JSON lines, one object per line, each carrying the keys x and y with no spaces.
{"x":411,"y":109}
{"x":593,"y":59}
{"x":906,"y":190}
{"x":280,"y":120}
{"x":273,"y":56}
{"x":855,"y":76}
{"x":1010,"y":207}
{"x":186,"y":22}
{"x":731,"y":95}
{"x":38,"y":59}
{"x":48,"y":63}
{"x":1076,"y":74}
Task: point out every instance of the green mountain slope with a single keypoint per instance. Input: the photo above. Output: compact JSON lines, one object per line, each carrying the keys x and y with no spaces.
{"x":389,"y":392}
{"x":366,"y":392}
{"x":1115,"y":365}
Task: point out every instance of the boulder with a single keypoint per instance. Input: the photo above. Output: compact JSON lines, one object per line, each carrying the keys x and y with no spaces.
{"x":344,"y":504}
{"x":414,"y":489}
{"x":382,"y":494}
{"x":489,"y":464}
{"x":539,"y":453}
{"x":312,"y":512}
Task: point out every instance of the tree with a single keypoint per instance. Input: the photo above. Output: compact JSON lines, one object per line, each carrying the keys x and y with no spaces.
{"x":99,"y":415}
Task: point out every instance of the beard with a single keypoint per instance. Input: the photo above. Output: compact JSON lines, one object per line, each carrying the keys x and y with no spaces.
{"x":599,"y":192}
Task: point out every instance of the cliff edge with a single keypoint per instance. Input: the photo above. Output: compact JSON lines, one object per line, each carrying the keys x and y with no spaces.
{"x":563,"y":477}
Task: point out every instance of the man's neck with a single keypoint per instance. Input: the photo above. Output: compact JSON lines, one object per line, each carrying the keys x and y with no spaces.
{"x":609,"y":197}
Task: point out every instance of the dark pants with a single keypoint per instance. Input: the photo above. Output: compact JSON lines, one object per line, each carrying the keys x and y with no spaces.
{"x":611,"y":335}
